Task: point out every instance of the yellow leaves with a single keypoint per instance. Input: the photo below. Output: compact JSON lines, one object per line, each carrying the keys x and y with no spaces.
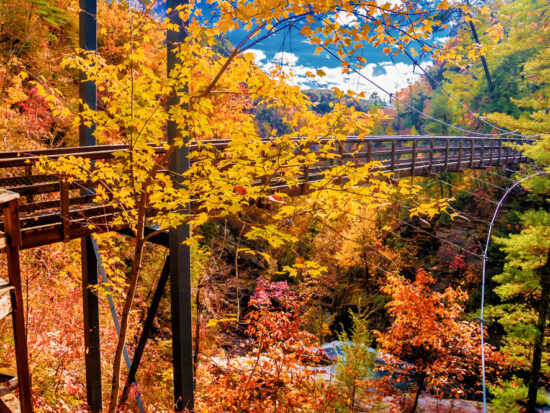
{"x":386,"y":50}
{"x":496,"y":32}
{"x":320,"y":72}
{"x":485,"y":11}
{"x":213,"y":322}
{"x":307,"y":268}
{"x":306,"y":31}
{"x":269,"y":233}
{"x":469,"y":19}
{"x":431,"y":209}
{"x":444,"y":5}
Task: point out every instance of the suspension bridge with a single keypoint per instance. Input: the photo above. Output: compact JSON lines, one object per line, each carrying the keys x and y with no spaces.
{"x":41,"y":209}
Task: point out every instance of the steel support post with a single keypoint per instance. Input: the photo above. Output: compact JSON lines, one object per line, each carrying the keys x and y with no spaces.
{"x":90,"y":302}
{"x":180,"y":255}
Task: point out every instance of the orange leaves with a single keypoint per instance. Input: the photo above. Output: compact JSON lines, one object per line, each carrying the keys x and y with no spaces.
{"x":429,"y":332}
{"x":272,"y":375}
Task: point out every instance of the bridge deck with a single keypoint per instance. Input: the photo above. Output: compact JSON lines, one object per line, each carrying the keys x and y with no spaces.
{"x":52,"y":211}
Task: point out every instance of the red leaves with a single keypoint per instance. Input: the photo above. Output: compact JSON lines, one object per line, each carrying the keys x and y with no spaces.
{"x":240,"y":190}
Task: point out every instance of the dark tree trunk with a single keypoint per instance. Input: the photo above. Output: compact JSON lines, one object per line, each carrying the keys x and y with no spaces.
{"x":534,"y":377}
{"x":483,"y":61}
{"x":420,"y":386}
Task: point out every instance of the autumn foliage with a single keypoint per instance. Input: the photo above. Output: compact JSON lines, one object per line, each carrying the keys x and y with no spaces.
{"x":431,"y":337}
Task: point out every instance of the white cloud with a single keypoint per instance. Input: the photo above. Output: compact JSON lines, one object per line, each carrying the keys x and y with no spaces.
{"x":285,"y":58}
{"x":346,"y":19}
{"x":391,"y":77}
{"x":259,"y":55}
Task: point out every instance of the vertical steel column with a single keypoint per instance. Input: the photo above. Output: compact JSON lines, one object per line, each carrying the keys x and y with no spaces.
{"x":90,"y":302}
{"x":180,"y":255}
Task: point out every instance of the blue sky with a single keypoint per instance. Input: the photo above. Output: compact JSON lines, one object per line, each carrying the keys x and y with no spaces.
{"x":291,"y":49}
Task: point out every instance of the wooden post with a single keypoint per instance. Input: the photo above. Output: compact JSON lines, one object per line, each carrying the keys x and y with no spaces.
{"x":413,"y":159}
{"x":446,"y":154}
{"x":431,"y":155}
{"x":28,"y":172}
{"x":180,"y":254}
{"x":305,"y":184}
{"x":369,"y":151}
{"x":472,"y":153}
{"x":64,"y":207}
{"x":393,"y":156}
{"x":506,"y":154}
{"x":499,"y":152}
{"x":491,"y":154}
{"x":13,"y":231}
{"x":459,"y":155}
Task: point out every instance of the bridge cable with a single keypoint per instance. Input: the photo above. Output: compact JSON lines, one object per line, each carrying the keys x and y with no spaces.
{"x":483,"y":276}
{"x":468,"y":192}
{"x":464,"y":106}
{"x":334,"y":55}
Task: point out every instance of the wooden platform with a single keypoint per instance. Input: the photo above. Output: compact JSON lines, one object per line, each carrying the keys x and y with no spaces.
{"x":8,"y":383}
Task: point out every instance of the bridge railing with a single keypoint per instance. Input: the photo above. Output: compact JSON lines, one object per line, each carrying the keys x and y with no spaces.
{"x":54,"y":210}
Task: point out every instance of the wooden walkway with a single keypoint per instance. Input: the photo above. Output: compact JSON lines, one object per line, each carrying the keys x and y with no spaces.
{"x":65,"y":216}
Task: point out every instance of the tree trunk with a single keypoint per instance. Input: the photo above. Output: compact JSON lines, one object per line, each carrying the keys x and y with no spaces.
{"x":134,"y":276}
{"x":483,"y":61}
{"x":420,"y":386}
{"x":534,"y":377}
